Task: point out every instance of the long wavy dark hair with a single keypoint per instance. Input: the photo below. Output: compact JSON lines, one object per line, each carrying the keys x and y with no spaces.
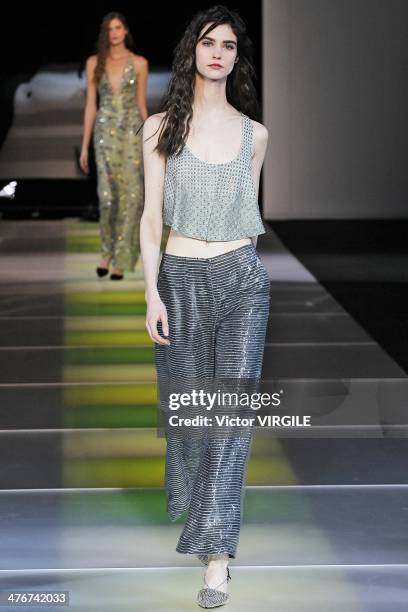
{"x":102,"y":46}
{"x":177,"y":103}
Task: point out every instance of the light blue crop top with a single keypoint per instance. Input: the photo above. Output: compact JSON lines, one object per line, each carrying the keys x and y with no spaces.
{"x":212,"y":201}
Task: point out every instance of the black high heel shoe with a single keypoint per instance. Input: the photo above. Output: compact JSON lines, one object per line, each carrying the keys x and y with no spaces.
{"x":102,"y":271}
{"x":116,"y":276}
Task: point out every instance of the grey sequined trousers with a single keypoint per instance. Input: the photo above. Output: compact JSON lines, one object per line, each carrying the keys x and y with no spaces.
{"x":217,"y":311}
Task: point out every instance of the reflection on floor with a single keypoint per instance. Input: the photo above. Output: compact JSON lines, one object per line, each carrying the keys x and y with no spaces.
{"x":82,"y":499}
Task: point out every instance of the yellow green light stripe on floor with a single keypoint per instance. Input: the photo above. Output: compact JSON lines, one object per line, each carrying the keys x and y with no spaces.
{"x":130,"y":338}
{"x":100,"y":286}
{"x":95,"y":309}
{"x":118,"y":472}
{"x":82,"y":244}
{"x":110,"y":373}
{"x":105,"y":297}
{"x":110,"y":395}
{"x":110,"y":416}
{"x":120,"y":443}
{"x":149,"y":471}
{"x":104,"y":323}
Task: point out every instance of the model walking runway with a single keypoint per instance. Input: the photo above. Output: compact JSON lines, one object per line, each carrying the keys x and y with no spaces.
{"x":115,"y":108}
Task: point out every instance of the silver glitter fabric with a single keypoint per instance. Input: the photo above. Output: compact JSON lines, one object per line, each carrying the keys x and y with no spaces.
{"x":212,"y":597}
{"x":217,"y":310}
{"x":118,"y":152}
{"x":213,"y":201}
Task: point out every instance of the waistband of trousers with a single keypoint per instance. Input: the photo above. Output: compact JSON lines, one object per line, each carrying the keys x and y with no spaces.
{"x":239,"y":253}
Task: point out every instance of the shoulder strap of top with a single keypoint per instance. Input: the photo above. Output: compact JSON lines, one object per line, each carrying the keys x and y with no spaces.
{"x":132,"y":65}
{"x":247,"y":139}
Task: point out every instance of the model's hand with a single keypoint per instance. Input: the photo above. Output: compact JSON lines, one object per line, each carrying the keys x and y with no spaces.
{"x":156,"y":311}
{"x":84,"y":162}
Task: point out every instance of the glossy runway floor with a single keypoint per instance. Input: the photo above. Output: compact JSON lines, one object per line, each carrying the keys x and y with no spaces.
{"x":82,"y":505}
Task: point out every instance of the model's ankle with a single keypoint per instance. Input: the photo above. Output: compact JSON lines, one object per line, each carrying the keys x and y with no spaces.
{"x":220,"y":558}
{"x":105,"y":261}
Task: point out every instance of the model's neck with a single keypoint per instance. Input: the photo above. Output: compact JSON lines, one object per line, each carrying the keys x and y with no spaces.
{"x":209,"y":96}
{"x":117,"y":51}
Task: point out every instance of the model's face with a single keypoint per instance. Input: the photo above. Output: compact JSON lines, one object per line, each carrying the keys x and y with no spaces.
{"x":117,"y":32}
{"x":216,"y":54}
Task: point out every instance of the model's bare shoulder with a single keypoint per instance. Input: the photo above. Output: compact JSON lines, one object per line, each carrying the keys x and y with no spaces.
{"x":152,"y":124}
{"x":140,"y":62}
{"x":92,"y":61}
{"x":153,"y":121}
{"x":260,"y":139}
{"x":260,"y":133}
{"x":90,"y":67}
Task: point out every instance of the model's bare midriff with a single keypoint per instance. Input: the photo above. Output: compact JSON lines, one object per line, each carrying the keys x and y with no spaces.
{"x":184,"y":246}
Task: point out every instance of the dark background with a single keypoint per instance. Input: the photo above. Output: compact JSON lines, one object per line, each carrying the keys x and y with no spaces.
{"x":37,"y":35}
{"x":41,"y":34}
{"x":66,"y":33}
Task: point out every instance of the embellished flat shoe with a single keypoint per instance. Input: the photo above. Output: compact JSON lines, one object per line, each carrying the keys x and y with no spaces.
{"x":213,"y":598}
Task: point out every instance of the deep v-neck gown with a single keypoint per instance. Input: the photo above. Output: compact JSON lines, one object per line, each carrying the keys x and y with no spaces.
{"x":118,"y":151}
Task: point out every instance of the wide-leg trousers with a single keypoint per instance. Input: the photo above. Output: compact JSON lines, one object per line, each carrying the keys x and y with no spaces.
{"x":217,"y":311}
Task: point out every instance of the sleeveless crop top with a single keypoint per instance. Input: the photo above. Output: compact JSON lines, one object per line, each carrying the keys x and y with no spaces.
{"x":212,"y":201}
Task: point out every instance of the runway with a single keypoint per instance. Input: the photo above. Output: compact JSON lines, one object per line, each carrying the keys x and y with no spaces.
{"x":81,"y":482}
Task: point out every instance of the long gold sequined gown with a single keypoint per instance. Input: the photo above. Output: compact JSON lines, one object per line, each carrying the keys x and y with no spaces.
{"x":118,"y":152}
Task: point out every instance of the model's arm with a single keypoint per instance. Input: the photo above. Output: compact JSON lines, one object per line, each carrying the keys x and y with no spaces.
{"x":151,"y":227}
{"x":142,"y":75}
{"x":90,"y":112}
{"x":260,"y":143}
